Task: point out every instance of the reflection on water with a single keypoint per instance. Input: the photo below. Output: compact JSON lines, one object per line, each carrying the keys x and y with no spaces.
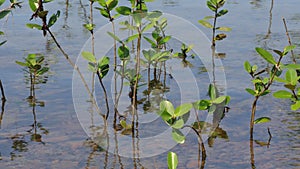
{"x":24,"y":130}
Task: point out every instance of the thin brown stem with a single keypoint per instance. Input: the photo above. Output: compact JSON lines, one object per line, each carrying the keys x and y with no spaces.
{"x":105,"y":94}
{"x":2,"y":92}
{"x":289,"y":39}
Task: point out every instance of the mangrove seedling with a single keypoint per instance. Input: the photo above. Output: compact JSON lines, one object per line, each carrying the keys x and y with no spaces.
{"x":215,"y":6}
{"x":262,"y":84}
{"x":101,"y":68}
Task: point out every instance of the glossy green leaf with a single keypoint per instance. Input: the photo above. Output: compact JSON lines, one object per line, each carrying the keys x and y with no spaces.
{"x":131,"y":38}
{"x":203,"y":104}
{"x":164,"y":40}
{"x":114,"y":37}
{"x":153,"y":44}
{"x":102,"y":3}
{"x":291,"y":76}
{"x":288,"y":49}
{"x":211,"y":6}
{"x":88,"y":56}
{"x":1,"y":33}
{"x":262,"y":120}
{"x":22,"y":64}
{"x":123,"y":10}
{"x":1,"y":2}
{"x":224,"y":28}
{"x":123,"y":52}
{"x":42,"y":70}
{"x":212,"y":92}
{"x":172,"y":160}
{"x":103,"y":12}
{"x":89,"y":26}
{"x":247,"y":67}
{"x":251,"y":91}
{"x":220,"y":36}
{"x":111,"y":4}
{"x":183,"y":109}
{"x":165,"y":115}
{"x":167,"y":106}
{"x":295,"y":106}
{"x":33,"y":5}
{"x":42,"y":14}
{"x":178,"y":124}
{"x":3,"y":13}
{"x":282,"y":94}
{"x":53,"y":19}
{"x":205,"y":24}
{"x":220,"y":99}
{"x":266,"y":55}
{"x":34,"y":26}
{"x":178,"y":136}
{"x":222,"y":12}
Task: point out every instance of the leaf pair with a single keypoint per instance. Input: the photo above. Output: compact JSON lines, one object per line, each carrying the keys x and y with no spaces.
{"x":101,"y":66}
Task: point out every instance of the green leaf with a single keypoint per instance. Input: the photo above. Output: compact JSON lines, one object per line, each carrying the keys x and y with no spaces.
{"x":220,"y":99}
{"x":153,"y":15}
{"x":172,"y":160}
{"x":88,"y":56}
{"x":251,"y":91}
{"x":205,"y":24}
{"x":183,"y":109}
{"x":266,"y":55}
{"x":89,"y":26}
{"x":111,"y":4}
{"x":114,"y":37}
{"x":42,"y":14}
{"x":131,"y":38}
{"x":282,"y":94}
{"x":137,"y":19}
{"x":3,"y":13}
{"x":153,"y":44}
{"x":178,"y":136}
{"x":291,"y":76}
{"x":211,"y":6}
{"x":167,"y":106}
{"x":102,"y":3}
{"x":42,"y":70}
{"x":34,"y":26}
{"x":178,"y":124}
{"x":222,"y":12}
{"x":202,"y":104}
{"x":247,"y":67}
{"x":103,"y":12}
{"x":224,"y":28}
{"x":33,"y":5}
{"x":295,"y":106}
{"x":1,"y":33}
{"x":220,"y":36}
{"x":165,"y":115}
{"x":22,"y":64}
{"x":123,"y":52}
{"x":212,"y":92}
{"x":288,"y":49}
{"x":262,"y":120}
{"x":1,"y":2}
{"x":164,"y":40}
{"x":123,"y":10}
{"x":103,"y":66}
{"x":53,"y":19}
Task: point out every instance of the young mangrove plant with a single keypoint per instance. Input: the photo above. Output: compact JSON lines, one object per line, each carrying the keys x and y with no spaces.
{"x":262,"y":84}
{"x":100,"y":68}
{"x":215,"y":6}
{"x":176,"y":118}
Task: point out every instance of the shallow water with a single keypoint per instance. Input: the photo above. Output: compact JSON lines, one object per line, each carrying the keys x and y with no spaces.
{"x":66,"y":145}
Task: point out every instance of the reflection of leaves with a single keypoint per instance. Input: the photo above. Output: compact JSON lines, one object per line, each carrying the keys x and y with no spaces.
{"x":262,"y":143}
